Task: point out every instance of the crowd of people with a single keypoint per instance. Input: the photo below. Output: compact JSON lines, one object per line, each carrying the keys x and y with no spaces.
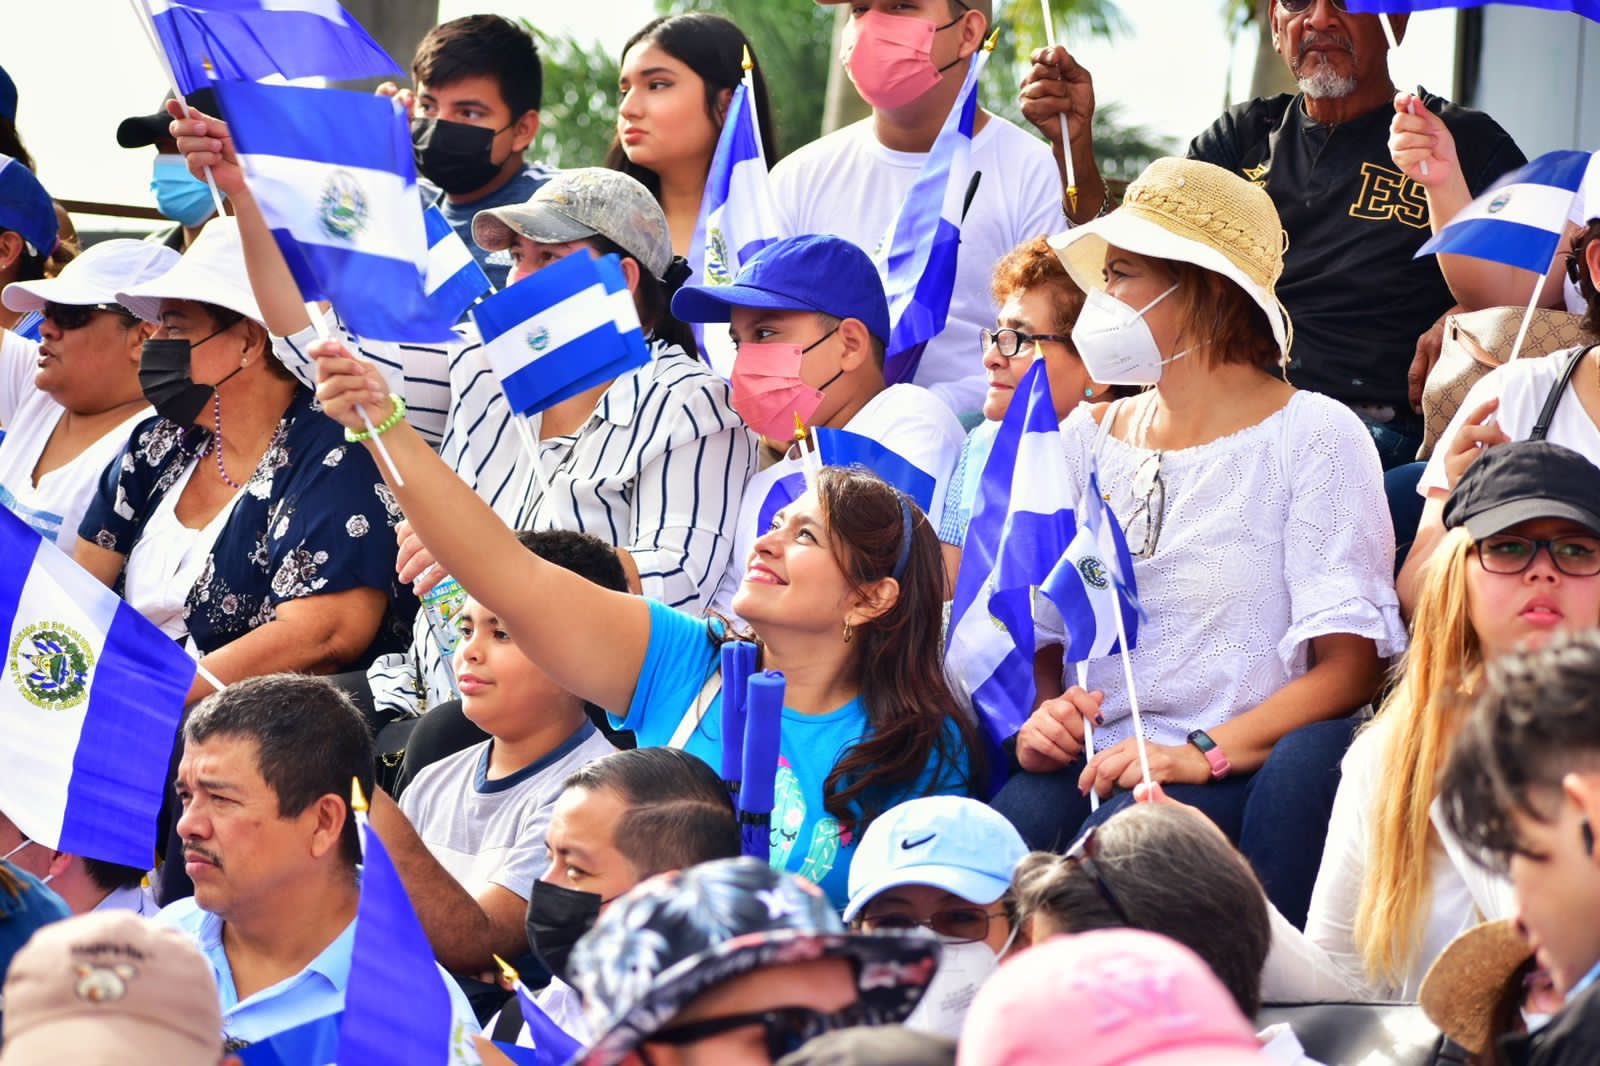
{"x":1353,"y":755}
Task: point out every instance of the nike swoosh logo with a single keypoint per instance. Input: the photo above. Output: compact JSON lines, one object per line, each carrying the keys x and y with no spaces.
{"x":907,"y":845}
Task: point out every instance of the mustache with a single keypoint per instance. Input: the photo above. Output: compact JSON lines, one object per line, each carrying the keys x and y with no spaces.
{"x":199,"y":852}
{"x":1313,"y":39}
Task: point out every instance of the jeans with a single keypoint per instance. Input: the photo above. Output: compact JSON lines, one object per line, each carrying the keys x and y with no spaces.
{"x":1405,"y":507}
{"x":1397,"y":442}
{"x":1277,"y":815}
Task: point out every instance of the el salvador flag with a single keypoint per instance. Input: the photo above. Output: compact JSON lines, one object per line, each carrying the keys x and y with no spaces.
{"x":1021,"y":525}
{"x":397,"y":1009}
{"x":919,"y":261}
{"x":1586,"y":8}
{"x":454,"y":280}
{"x":90,"y":699}
{"x":560,"y":331}
{"x":1093,"y":580}
{"x":737,"y":216}
{"x":552,"y":1045}
{"x":1521,"y":218}
{"x":334,"y":175}
{"x":248,"y":40}
{"x":840,"y":447}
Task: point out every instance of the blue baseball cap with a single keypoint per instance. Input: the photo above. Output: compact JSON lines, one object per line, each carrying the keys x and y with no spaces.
{"x":964,"y":847}
{"x":25,"y":207}
{"x":8,"y":96}
{"x":817,"y":272}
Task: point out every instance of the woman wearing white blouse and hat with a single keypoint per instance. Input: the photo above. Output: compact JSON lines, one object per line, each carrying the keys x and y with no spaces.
{"x":1256,"y":516}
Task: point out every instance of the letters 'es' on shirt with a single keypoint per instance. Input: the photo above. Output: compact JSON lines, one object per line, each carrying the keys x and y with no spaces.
{"x":1357,"y":298}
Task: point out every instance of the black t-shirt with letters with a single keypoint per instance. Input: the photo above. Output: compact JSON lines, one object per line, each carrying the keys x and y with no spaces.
{"x":1357,"y":298}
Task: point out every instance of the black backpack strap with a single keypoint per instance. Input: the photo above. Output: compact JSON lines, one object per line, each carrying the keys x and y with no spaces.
{"x":1548,"y":412}
{"x":508,"y":1026}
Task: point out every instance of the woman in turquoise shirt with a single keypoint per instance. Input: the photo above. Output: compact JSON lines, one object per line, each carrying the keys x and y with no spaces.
{"x":844,"y":594}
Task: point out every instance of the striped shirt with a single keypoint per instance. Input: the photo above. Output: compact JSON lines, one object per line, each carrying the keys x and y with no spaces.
{"x":658,"y":469}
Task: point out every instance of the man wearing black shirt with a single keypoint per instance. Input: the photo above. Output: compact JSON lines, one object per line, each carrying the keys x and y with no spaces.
{"x":1358,"y":300}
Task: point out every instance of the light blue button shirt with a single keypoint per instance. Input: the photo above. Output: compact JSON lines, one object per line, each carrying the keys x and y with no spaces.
{"x":315,"y":991}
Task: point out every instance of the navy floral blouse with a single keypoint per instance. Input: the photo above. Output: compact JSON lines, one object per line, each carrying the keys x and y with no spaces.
{"x":314,"y":518}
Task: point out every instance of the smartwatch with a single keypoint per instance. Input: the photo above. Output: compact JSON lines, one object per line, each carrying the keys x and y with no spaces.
{"x":1220,"y":766}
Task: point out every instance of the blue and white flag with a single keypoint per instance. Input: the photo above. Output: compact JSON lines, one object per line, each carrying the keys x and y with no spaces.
{"x":91,"y":694}
{"x":560,"y":331}
{"x":334,"y":175}
{"x":552,"y":1045}
{"x":1587,"y":8}
{"x":454,"y":280}
{"x":312,"y":1044}
{"x":1092,"y":581}
{"x":737,"y":216}
{"x":918,"y":262}
{"x":1021,"y":524}
{"x":397,"y":1008}
{"x":1521,"y":218}
{"x":840,"y":447}
{"x":248,"y":40}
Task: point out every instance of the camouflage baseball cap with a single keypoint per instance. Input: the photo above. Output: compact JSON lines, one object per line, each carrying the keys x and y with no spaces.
{"x":678,"y":934}
{"x":581,"y":203}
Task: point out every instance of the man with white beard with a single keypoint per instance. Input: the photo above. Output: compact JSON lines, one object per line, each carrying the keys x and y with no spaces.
{"x":1364,"y":311}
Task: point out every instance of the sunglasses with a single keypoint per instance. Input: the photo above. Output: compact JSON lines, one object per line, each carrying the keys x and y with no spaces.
{"x":1083,"y":854}
{"x":784,"y":1029}
{"x":1295,"y":7}
{"x":1507,"y":553}
{"x":1151,"y":493}
{"x":76,"y":316}
{"x":1013,"y":342}
{"x":958,"y":925}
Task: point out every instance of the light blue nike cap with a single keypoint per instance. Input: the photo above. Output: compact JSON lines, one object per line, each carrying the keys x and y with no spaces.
{"x":960,"y":845}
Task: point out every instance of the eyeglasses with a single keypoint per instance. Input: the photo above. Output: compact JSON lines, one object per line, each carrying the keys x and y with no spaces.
{"x":76,"y":316}
{"x":1010,"y":342}
{"x":958,"y":925}
{"x":785,"y":1029}
{"x":1507,"y":553}
{"x":1084,"y":853}
{"x":1151,"y":493}
{"x":1295,"y":7}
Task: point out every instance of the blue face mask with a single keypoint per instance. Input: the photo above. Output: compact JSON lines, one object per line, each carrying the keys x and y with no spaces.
{"x":180,"y":195}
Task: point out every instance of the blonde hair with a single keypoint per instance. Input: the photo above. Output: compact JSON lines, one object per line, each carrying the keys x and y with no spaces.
{"x":1415,"y":725}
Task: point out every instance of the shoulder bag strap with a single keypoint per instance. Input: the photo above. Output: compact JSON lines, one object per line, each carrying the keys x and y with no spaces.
{"x":696,"y":711}
{"x":1548,"y":412}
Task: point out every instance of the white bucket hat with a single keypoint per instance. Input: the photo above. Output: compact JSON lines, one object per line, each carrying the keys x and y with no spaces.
{"x":95,"y":277}
{"x":1192,"y":212}
{"x":211,"y":271}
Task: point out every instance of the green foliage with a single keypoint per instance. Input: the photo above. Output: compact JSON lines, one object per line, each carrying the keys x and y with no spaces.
{"x":578,"y":116}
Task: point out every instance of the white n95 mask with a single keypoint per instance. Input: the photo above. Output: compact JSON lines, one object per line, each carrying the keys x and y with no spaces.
{"x":963,"y":968}
{"x":1115,"y":343}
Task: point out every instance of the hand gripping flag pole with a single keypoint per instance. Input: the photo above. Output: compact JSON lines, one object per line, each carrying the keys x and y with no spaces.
{"x":1066,"y":142}
{"x":146,"y":19}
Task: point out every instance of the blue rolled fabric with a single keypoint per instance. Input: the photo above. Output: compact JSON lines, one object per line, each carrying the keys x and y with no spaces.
{"x":763,"y":729}
{"x":735,"y":671}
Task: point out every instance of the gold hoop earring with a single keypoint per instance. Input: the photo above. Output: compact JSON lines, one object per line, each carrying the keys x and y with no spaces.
{"x":849,"y":631}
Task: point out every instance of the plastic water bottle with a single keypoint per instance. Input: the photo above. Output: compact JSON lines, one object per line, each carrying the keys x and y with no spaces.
{"x":443,"y":603}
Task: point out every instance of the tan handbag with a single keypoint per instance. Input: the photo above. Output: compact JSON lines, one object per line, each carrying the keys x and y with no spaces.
{"x":1475,"y":342}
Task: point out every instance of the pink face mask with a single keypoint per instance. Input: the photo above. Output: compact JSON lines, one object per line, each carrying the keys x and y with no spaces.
{"x":890,"y":58}
{"x":768,"y":392}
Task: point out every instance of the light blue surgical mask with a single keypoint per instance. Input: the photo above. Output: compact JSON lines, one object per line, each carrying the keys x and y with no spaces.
{"x":180,"y":195}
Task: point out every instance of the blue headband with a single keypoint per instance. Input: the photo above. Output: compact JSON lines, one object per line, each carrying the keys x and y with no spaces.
{"x":905,"y":536}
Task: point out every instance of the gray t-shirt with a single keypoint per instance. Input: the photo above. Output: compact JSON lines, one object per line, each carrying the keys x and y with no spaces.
{"x":492,"y":832}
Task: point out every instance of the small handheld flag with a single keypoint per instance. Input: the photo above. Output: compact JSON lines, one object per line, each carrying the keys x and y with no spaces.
{"x":90,"y":703}
{"x":737,"y":216}
{"x":842,"y":448}
{"x":561,"y":331}
{"x":343,"y":209}
{"x":453,"y":280}
{"x":552,"y":1045}
{"x":248,"y":40}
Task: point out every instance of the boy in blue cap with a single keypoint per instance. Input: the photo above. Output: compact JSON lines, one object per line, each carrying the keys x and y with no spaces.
{"x":809,"y":320}
{"x":28,"y":234}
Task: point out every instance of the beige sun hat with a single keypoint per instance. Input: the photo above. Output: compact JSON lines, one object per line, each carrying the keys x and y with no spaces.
{"x":1461,"y":988}
{"x":1196,"y":213}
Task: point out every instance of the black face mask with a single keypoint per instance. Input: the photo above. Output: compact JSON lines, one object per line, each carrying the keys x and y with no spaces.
{"x":557,"y":918}
{"x":453,"y":155}
{"x":164,"y":366}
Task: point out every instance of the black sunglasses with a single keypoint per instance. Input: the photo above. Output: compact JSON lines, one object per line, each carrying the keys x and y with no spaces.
{"x":1295,"y":7}
{"x":1083,"y":853}
{"x":785,"y":1029}
{"x":76,"y":316}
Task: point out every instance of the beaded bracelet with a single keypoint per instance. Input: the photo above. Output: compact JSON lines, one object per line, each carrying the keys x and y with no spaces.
{"x":395,"y":418}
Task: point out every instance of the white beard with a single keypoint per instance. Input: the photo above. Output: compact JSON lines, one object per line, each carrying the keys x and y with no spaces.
{"x":1325,"y":83}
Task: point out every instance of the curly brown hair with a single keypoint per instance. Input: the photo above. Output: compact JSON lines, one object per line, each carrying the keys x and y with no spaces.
{"x":1033,"y":265}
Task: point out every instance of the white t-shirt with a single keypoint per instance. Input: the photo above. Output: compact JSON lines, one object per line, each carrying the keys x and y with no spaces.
{"x":1523,"y":385}
{"x":906,"y":418}
{"x":54,"y":506}
{"x":492,"y":832}
{"x":562,"y":1005}
{"x":849,"y":185}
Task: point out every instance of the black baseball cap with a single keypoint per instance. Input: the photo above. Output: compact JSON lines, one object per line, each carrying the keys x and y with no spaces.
{"x":141,"y":131}
{"x":1521,"y":481}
